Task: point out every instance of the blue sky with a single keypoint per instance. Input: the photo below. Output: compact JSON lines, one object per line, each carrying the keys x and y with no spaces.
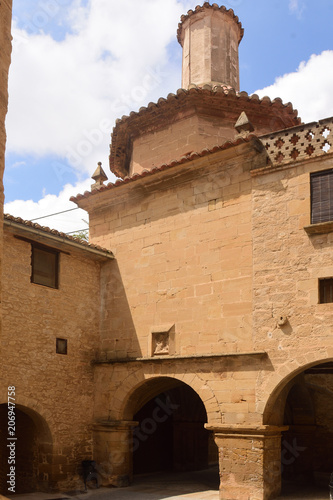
{"x":78,"y":65}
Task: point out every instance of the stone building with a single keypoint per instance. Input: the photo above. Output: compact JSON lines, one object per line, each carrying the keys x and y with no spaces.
{"x":199,"y":318}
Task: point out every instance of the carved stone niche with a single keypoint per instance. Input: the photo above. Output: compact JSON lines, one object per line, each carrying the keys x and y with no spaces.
{"x":162,"y":340}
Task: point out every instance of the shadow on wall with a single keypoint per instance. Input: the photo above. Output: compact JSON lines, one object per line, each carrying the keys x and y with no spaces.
{"x":118,"y":334}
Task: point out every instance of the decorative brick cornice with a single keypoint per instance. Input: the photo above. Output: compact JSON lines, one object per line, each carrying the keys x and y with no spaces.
{"x":214,"y":100}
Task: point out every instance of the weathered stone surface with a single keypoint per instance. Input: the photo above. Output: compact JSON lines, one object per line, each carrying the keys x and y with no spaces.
{"x":56,"y":391}
{"x":211,"y":253}
{"x":5,"y":53}
{"x":210,"y":37}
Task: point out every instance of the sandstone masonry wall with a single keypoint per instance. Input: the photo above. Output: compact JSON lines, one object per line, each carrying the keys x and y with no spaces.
{"x":184,"y":255}
{"x":288,"y":263}
{"x":193,"y":133}
{"x":57,"y":387}
{"x":183,"y":247}
{"x":5,"y":51}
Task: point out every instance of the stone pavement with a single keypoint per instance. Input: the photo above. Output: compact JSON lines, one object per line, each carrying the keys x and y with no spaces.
{"x":182,"y":486}
{"x":202,"y":485}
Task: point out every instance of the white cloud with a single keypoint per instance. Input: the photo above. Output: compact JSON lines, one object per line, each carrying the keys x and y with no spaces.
{"x":114,"y":60}
{"x":51,"y":204}
{"x":297,"y":7}
{"x":309,"y":88}
{"x":19,"y":164}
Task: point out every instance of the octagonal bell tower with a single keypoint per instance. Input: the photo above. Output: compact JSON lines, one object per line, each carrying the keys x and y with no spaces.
{"x":210,"y":37}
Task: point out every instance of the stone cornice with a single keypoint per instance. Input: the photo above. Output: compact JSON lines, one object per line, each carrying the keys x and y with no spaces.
{"x":192,"y":161}
{"x":163,"y":359}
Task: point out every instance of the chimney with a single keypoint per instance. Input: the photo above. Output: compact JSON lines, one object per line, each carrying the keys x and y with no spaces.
{"x":210,"y":36}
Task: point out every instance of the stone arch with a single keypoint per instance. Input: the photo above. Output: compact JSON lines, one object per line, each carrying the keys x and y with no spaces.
{"x":280,"y":382}
{"x":31,"y":405}
{"x":137,"y":390}
{"x":300,"y":399}
{"x":33,"y":449}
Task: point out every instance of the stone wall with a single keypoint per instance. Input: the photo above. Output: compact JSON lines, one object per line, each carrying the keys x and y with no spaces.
{"x":5,"y":51}
{"x":56,"y":391}
{"x":288,"y":263}
{"x":190,"y":134}
{"x":183,"y":246}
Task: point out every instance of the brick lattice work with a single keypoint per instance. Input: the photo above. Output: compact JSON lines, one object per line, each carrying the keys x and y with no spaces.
{"x":300,"y":143}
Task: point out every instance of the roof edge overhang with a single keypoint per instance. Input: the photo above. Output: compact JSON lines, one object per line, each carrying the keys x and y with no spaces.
{"x":53,"y":239}
{"x":152,"y":117}
{"x":101,"y":195}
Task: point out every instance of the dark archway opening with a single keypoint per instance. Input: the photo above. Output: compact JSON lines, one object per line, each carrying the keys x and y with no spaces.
{"x":171,"y":435}
{"x":31,"y":453}
{"x":307,"y":447}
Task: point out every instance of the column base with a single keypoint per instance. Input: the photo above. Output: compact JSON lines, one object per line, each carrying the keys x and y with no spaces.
{"x":113,"y":452}
{"x":250,"y":461}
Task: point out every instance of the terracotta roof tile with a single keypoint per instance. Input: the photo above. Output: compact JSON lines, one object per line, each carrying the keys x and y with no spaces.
{"x":210,"y":89}
{"x":47,"y":230}
{"x":219,"y":98}
{"x":184,"y":159}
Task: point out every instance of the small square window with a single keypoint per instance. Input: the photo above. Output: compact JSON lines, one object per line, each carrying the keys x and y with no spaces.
{"x":61,"y":346}
{"x":44,"y":264}
{"x":325,"y":290}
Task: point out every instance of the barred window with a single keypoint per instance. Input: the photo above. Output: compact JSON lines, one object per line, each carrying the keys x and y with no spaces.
{"x":322,"y":196}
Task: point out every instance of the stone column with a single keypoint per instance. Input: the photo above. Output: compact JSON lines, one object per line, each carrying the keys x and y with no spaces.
{"x":113,"y":452}
{"x":250,"y":461}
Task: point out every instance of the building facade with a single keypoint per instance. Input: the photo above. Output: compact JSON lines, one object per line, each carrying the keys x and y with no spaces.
{"x":206,"y":336}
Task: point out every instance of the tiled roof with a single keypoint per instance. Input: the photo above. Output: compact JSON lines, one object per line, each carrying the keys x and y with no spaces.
{"x":207,"y":5}
{"x":214,"y":90}
{"x":48,"y":232}
{"x":184,"y":159}
{"x":208,"y":99}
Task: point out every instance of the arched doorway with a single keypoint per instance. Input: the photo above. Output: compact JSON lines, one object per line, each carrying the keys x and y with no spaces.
{"x":305,"y":404}
{"x":171,"y":435}
{"x":33,"y":448}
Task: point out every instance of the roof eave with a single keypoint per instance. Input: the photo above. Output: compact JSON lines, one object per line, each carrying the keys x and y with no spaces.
{"x":39,"y":235}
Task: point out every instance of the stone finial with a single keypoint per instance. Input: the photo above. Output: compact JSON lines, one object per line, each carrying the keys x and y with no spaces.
{"x":99,"y":176}
{"x":243,"y":125}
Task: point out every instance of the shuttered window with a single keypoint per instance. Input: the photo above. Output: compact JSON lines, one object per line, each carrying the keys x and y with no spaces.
{"x":325,"y":290}
{"x":322,"y":197}
{"x":44,"y":263}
